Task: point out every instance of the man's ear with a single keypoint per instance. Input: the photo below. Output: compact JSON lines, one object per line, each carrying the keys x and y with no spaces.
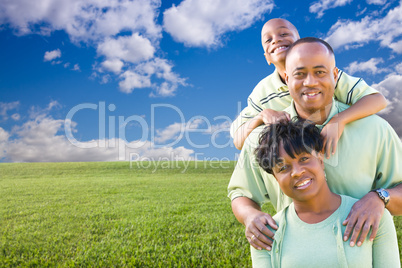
{"x":286,"y":77}
{"x":336,"y":71}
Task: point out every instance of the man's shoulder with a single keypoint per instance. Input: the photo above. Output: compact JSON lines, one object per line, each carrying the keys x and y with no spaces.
{"x":368,"y":120}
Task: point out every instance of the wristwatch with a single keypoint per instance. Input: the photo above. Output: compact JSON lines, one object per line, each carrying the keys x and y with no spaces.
{"x":383,"y":194}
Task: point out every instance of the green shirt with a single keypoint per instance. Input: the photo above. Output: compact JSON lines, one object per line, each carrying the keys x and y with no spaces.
{"x":299,"y":244}
{"x":368,"y":156}
{"x":272,"y":93}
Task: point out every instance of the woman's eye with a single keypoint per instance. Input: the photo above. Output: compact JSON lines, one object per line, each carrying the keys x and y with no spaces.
{"x":304,"y":158}
{"x":282,"y":168}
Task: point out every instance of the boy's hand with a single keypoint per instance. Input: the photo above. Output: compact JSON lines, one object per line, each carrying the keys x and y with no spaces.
{"x":331,"y":133}
{"x":270,"y":116}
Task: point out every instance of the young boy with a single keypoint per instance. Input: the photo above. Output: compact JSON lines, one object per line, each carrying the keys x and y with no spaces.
{"x":271,"y":95}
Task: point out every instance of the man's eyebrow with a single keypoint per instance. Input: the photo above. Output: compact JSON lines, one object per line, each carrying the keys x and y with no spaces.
{"x":315,"y":67}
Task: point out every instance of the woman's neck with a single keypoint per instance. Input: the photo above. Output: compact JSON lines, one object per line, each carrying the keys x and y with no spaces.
{"x":317,"y":209}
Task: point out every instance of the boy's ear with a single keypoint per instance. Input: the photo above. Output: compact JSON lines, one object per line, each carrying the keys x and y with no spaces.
{"x":265,"y":55}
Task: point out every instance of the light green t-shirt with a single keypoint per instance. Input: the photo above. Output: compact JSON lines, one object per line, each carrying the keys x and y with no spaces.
{"x":272,"y":93}
{"x":368,"y":156}
{"x":299,"y":244}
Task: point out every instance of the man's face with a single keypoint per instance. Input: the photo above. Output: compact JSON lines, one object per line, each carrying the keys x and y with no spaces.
{"x":276,"y":37}
{"x":311,"y":76}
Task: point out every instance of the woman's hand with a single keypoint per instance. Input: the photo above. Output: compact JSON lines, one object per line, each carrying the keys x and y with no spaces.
{"x":258,"y":235}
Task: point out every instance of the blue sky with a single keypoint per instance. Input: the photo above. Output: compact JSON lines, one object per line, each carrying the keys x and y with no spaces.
{"x":103,"y":80}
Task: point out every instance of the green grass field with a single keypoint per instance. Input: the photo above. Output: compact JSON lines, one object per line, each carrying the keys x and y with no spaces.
{"x":111,"y":215}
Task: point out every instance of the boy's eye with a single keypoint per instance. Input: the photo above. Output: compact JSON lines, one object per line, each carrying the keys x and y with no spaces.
{"x":268,"y":40}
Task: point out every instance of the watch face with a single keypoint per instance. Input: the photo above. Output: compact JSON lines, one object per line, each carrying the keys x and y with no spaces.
{"x":385,"y":193}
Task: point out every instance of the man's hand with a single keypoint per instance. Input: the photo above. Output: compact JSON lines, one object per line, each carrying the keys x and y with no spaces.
{"x":270,"y":116}
{"x":365,"y":213}
{"x":331,"y":133}
{"x":257,"y":232}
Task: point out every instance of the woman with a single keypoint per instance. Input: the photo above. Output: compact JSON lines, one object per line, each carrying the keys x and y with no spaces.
{"x":310,"y":229}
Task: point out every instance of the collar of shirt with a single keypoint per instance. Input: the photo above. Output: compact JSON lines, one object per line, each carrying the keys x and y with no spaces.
{"x":277,"y":82}
{"x":335,"y":109}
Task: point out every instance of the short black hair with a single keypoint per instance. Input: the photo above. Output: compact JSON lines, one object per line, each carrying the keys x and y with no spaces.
{"x":310,"y":40}
{"x":297,"y":137}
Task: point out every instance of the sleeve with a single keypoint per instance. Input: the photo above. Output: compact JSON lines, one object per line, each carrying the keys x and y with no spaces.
{"x":253,"y":108}
{"x":389,"y":157}
{"x":350,"y":89}
{"x":385,"y":244}
{"x":247,"y":180}
{"x":260,"y":258}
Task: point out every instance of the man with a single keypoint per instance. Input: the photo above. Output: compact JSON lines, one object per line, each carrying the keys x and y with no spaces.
{"x":368,"y":156}
{"x":271,"y":96}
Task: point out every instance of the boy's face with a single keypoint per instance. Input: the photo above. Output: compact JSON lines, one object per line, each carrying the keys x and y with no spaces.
{"x":276,"y":37}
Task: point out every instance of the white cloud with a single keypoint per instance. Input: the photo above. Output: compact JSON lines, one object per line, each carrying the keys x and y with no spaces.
{"x":43,"y":140}
{"x":4,"y":135}
{"x":323,"y":5}
{"x":134,"y":48}
{"x":390,"y":87}
{"x":386,"y":30}
{"x":16,"y":117}
{"x":201,"y":23}
{"x":132,"y":80}
{"x":51,"y":55}
{"x":83,"y":20}
{"x":176,"y":130}
{"x":36,"y":111}
{"x":141,"y":75}
{"x":369,"y":66}
{"x":7,"y":106}
{"x":125,"y":34}
{"x":76,"y":67}
{"x":398,"y":68}
{"x":114,"y":65}
{"x":376,"y":2}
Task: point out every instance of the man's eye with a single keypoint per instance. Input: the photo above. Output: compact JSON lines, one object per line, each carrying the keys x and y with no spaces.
{"x":298,"y":74}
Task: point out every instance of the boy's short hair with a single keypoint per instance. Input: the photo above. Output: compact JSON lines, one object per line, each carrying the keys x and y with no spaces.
{"x":297,"y":137}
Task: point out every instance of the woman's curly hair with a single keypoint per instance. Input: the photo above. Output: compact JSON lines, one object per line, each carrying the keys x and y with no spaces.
{"x":296,"y":137}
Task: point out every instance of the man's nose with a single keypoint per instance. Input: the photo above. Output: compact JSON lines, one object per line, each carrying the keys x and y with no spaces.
{"x":310,"y":80}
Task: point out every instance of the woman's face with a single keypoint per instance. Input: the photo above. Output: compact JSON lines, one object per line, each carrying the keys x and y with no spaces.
{"x":300,"y":178}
